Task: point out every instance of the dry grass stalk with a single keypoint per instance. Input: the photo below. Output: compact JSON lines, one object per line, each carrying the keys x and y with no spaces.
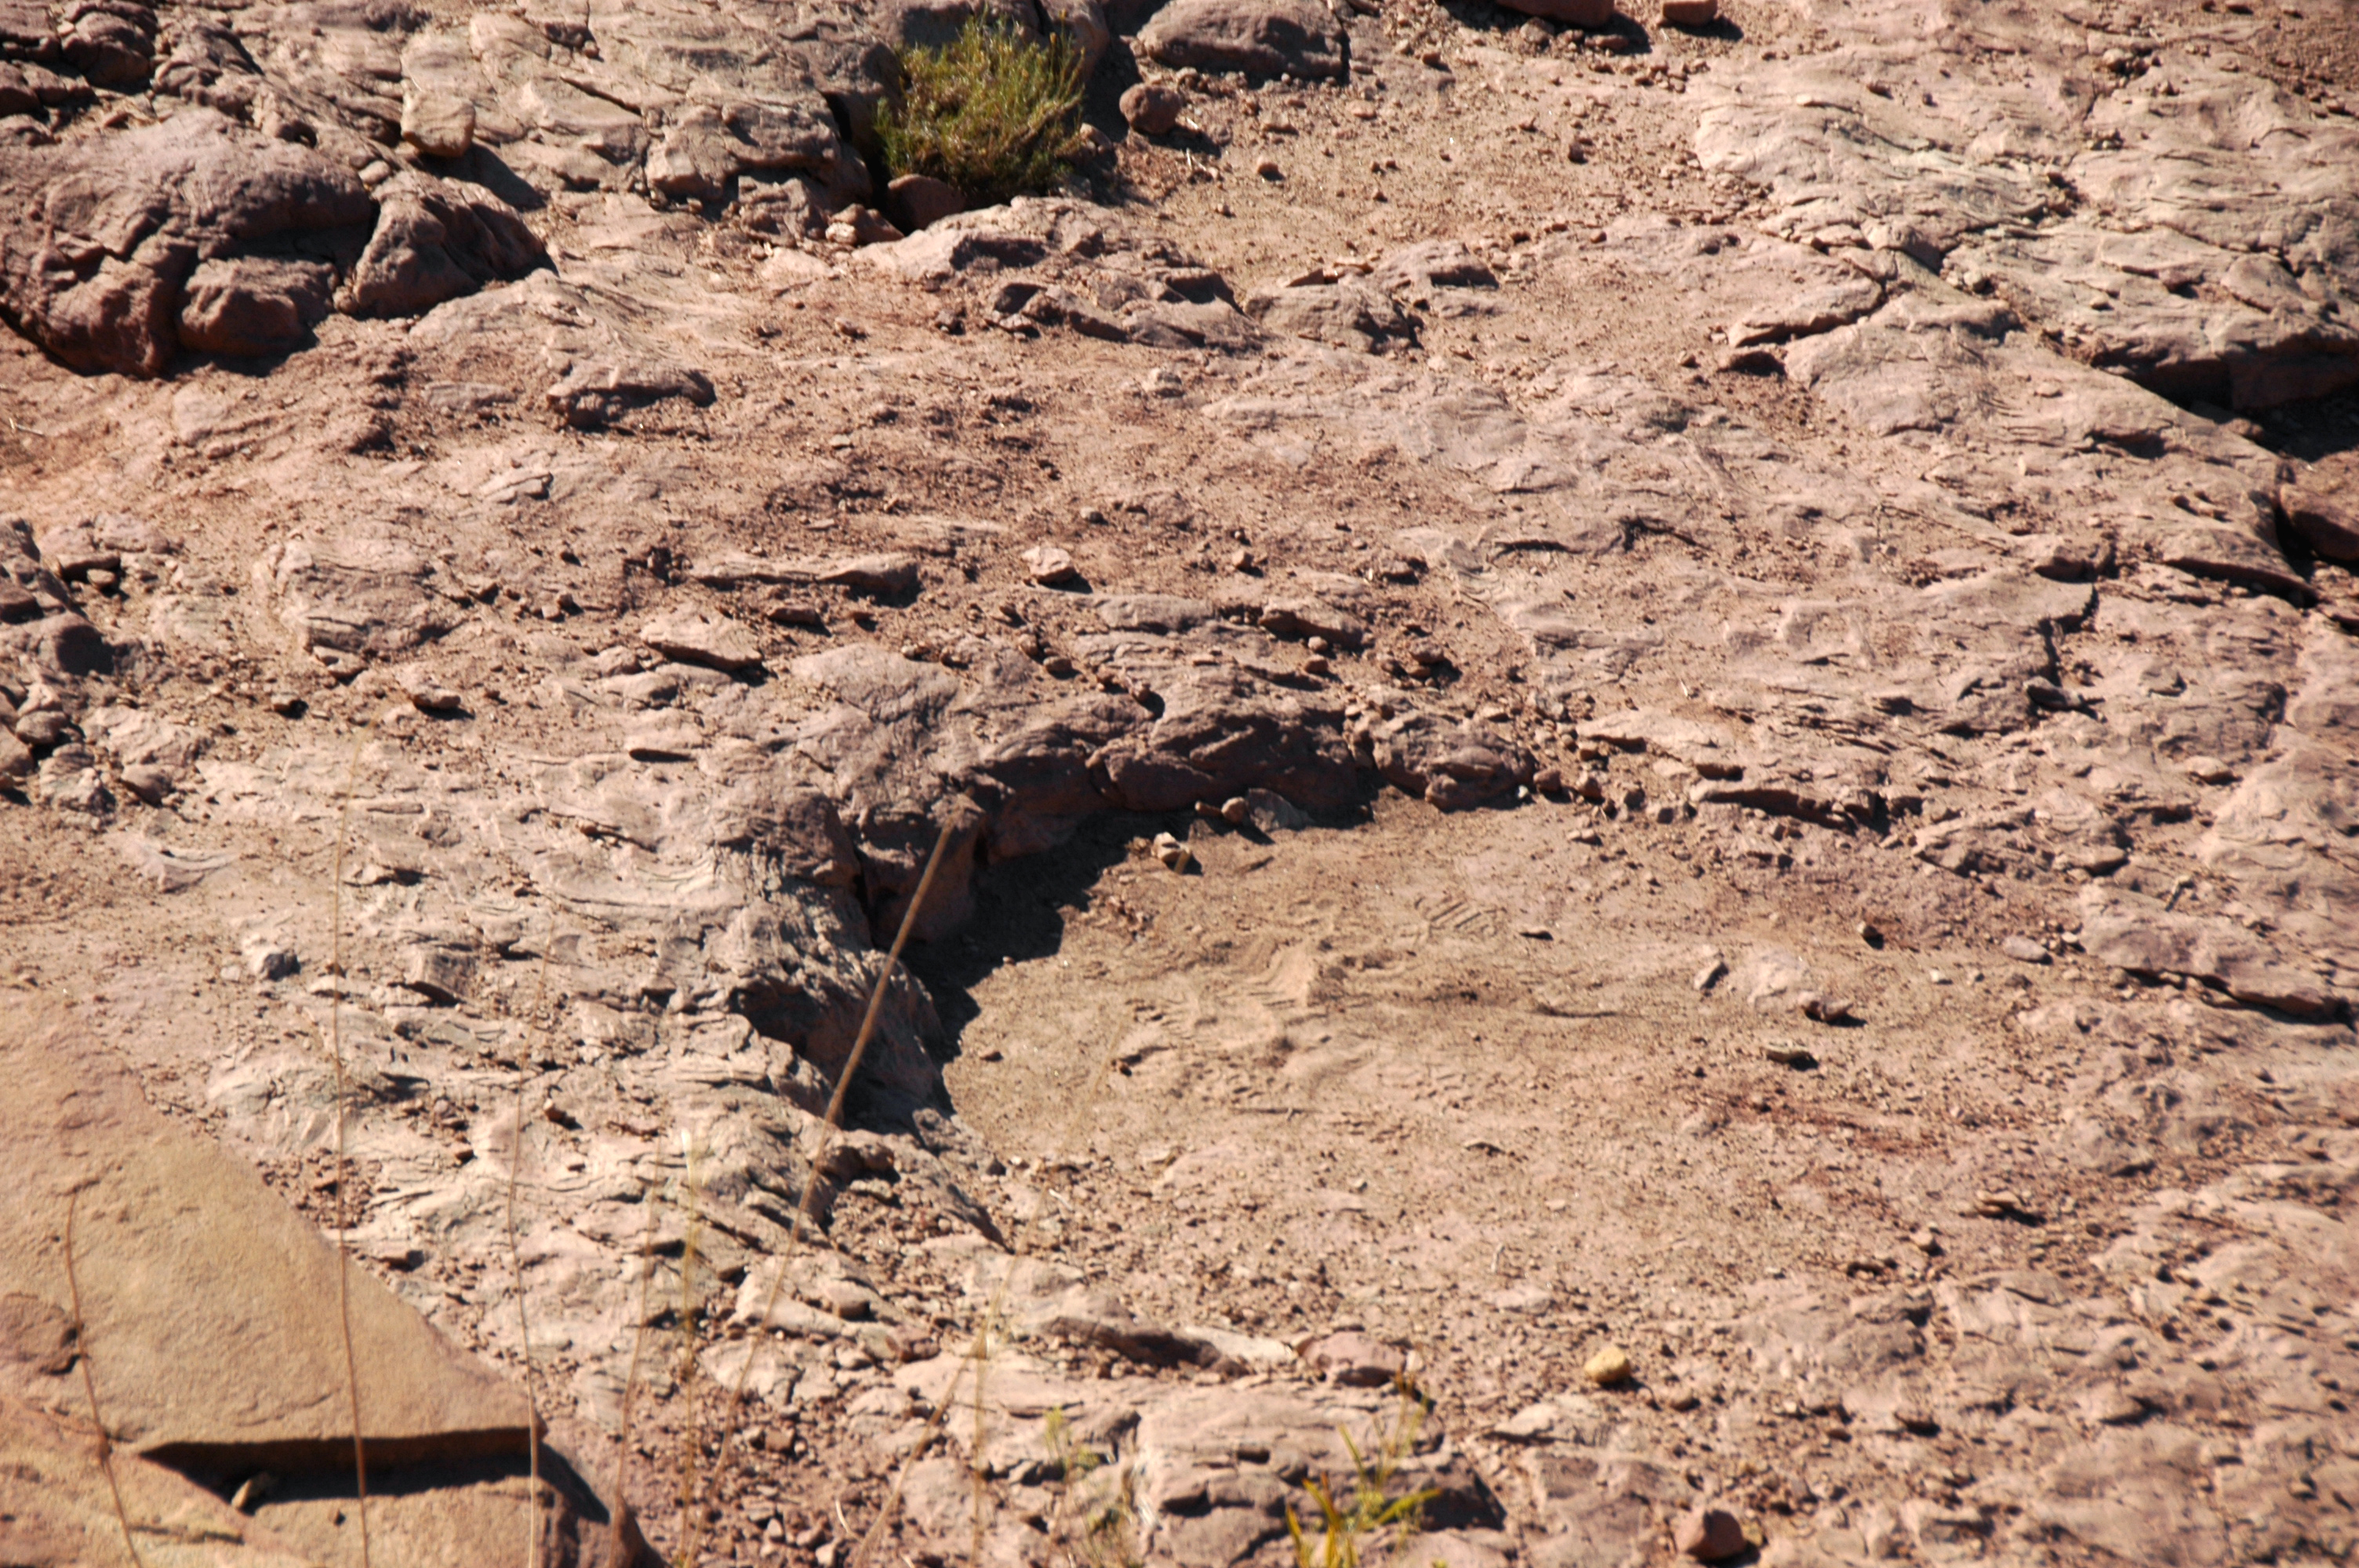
{"x":1106,"y":1536}
{"x":90,"y":1385}
{"x":343,"y":1195}
{"x":830,"y":1125}
{"x":516,"y":1265}
{"x":978,"y":1355}
{"x":834,"y":1121}
{"x":690,"y":1308}
{"x":1347,"y":1526}
{"x":617,"y":1549}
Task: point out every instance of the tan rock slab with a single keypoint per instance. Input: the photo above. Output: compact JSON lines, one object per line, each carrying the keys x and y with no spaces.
{"x":209,"y":1308}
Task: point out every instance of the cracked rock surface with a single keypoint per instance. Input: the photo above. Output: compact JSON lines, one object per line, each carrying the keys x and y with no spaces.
{"x":1645,"y":740}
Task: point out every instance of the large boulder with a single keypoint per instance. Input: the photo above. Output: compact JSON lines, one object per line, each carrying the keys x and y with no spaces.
{"x":254,"y":304}
{"x":1257,"y":37}
{"x":1084,"y":24}
{"x":112,"y":42}
{"x":436,"y":239}
{"x":931,"y":24}
{"x":117,"y":251}
{"x":99,"y":237}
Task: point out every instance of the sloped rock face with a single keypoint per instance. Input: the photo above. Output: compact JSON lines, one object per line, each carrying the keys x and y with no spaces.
{"x":2106,"y":196}
{"x":1849,"y":746}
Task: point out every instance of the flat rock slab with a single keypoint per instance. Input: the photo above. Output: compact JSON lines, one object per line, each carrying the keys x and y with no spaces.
{"x":209,"y":1308}
{"x":701,"y":638}
{"x":59,"y":1512}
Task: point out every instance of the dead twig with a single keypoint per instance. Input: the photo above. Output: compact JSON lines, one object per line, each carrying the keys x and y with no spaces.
{"x":90,"y":1385}
{"x":515,"y":1266}
{"x":809,"y":1213}
{"x":343,"y":1195}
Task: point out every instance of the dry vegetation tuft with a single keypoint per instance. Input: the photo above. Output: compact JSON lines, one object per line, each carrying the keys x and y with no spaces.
{"x":990,"y":113}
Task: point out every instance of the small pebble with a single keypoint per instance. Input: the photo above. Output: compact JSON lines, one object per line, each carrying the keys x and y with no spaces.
{"x":1823,"y":1008}
{"x":1049,"y":566}
{"x":1608,"y":1367}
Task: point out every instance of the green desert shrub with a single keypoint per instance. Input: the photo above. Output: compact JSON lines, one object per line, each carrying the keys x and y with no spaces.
{"x":990,"y":113}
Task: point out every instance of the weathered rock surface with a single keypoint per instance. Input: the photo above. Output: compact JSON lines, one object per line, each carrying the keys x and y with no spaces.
{"x":1256,"y":38}
{"x":1787,"y":475}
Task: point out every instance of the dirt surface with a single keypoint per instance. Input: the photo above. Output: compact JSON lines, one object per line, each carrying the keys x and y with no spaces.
{"x":1683,"y":691}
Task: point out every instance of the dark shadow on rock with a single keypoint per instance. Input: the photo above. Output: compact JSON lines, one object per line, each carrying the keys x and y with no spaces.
{"x":1021,"y":908}
{"x":483,"y":167}
{"x":253,"y":367}
{"x":448,"y":1502}
{"x":330,"y":1474}
{"x":2310,"y":431}
{"x":1484,"y":16}
{"x":1116,"y":74}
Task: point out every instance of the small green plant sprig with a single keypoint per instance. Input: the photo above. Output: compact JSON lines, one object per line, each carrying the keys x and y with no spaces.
{"x":1105,"y":1532}
{"x":1346,"y":1525}
{"x":991,"y":112}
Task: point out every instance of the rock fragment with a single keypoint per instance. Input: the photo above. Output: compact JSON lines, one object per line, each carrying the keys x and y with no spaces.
{"x":1151,"y":108}
{"x":1259,"y":38}
{"x":1706,"y":1533}
{"x":1312,"y":618}
{"x":438,"y":124}
{"x":1609,"y":1367}
{"x":1049,"y":566}
{"x":1821,"y":1006}
{"x":436,"y":239}
{"x":1356,"y":1360}
{"x":267,"y":959}
{"x":1421,"y":268}
{"x":919,"y":201}
{"x":593,"y":394}
{"x":701,"y":637}
{"x":1453,"y":765}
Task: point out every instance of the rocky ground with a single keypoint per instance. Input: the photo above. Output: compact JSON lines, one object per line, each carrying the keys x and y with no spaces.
{"x":1647,"y":734}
